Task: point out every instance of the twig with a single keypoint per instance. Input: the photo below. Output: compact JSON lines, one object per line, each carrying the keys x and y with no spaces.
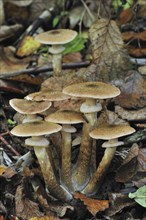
{"x":45,"y":68}
{"x":8,"y":145}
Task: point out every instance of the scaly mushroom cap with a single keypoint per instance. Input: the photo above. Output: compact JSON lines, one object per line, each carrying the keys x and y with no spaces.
{"x":95,"y":90}
{"x":36,"y":128}
{"x":111,"y":132}
{"x":47,"y":95}
{"x":29,"y":107}
{"x":59,"y":36}
{"x":66,"y":117}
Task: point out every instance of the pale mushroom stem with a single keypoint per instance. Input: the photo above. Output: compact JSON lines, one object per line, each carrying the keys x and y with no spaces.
{"x":44,"y":157}
{"x":81,"y":172}
{"x":57,"y":59}
{"x":66,"y":160}
{"x":95,"y":181}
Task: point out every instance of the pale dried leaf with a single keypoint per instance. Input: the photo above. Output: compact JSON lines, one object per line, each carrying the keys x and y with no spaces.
{"x":142,"y":160}
{"x":131,"y":115}
{"x":2,"y":13}
{"x":9,"y":31}
{"x":108,"y":50}
{"x":20,"y":3}
{"x":45,"y":218}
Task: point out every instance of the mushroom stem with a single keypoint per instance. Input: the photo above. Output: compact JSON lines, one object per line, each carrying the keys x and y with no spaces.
{"x":80,"y":175}
{"x":66,"y":159}
{"x":57,"y":64}
{"x":99,"y":174}
{"x":44,"y":157}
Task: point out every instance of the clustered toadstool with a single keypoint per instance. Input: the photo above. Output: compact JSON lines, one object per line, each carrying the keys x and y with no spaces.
{"x":77,"y":176}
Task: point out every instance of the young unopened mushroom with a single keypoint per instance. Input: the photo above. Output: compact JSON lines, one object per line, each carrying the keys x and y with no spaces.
{"x":29,"y":108}
{"x":66,"y":118}
{"x":110,"y":133}
{"x":56,"y":38}
{"x":91,"y":92}
{"x":43,"y":153}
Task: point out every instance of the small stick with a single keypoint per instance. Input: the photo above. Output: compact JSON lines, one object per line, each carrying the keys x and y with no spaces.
{"x":9,"y":146}
{"x":45,"y":68}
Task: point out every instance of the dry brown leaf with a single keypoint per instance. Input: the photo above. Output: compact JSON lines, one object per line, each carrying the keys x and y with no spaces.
{"x":131,"y":35}
{"x":93,"y":205}
{"x":27,"y":78}
{"x":142,"y":160}
{"x":25,"y":208}
{"x":2,"y":169}
{"x":133,"y":91}
{"x":10,"y":87}
{"x":108,"y":50}
{"x":72,"y":57}
{"x":9,"y":31}
{"x":125,"y":16}
{"x":136,"y":51}
{"x":129,"y":166}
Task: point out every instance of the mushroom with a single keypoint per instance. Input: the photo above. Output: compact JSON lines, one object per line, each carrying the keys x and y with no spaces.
{"x":110,"y":133}
{"x":56,"y":38}
{"x":66,"y":118}
{"x":42,"y":150}
{"x":29,"y":108}
{"x":90,"y":91}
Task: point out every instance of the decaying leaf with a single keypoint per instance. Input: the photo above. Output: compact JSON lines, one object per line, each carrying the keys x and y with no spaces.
{"x":93,"y":205}
{"x":45,"y":218}
{"x":108,"y":50}
{"x":2,"y":169}
{"x":25,"y":208}
{"x":125,"y":16}
{"x":9,"y":31}
{"x":140,"y":183}
{"x":129,"y":166}
{"x":10,"y":87}
{"x":2,"y":14}
{"x":20,"y":3}
{"x":130,"y":35}
{"x":27,"y":46}
{"x":136,"y":51}
{"x":133,"y":91}
{"x":131,"y":115}
{"x":118,"y":202}
{"x":142,"y":70}
{"x":142,"y":160}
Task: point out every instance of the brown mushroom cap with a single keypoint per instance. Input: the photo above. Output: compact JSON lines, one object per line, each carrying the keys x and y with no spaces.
{"x":24,"y":106}
{"x":96,"y":90}
{"x":36,"y":128}
{"x":49,"y":95}
{"x":65,"y":117}
{"x":111,"y":132}
{"x":59,"y":36}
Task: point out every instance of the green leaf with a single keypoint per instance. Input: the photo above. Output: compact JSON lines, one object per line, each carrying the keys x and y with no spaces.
{"x":56,"y":21}
{"x":11,"y":122}
{"x":139,"y":196}
{"x":76,"y":45}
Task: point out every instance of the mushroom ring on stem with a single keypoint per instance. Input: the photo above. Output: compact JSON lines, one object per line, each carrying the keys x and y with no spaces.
{"x":91,"y":92}
{"x":110,"y":133}
{"x":56,"y":38}
{"x":42,"y":149}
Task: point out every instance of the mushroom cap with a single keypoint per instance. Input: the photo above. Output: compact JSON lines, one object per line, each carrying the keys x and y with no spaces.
{"x":95,"y":90}
{"x":24,"y":106}
{"x":111,"y":132}
{"x":36,"y":128}
{"x":66,"y":117}
{"x":47,"y":95}
{"x":59,"y":36}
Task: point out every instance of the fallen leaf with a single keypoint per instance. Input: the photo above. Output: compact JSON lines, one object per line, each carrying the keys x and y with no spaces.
{"x":45,"y":218}
{"x":118,"y":202}
{"x":93,"y":205}
{"x":131,"y":115}
{"x":139,"y":196}
{"x":21,"y":3}
{"x":2,"y":169}
{"x":140,"y":183}
{"x":125,"y":16}
{"x":136,"y":51}
{"x":27,"y":78}
{"x":131,"y":35}
{"x":25,"y":208}
{"x":27,"y":46}
{"x":9,"y":31}
{"x":129,"y":166}
{"x":142,"y":160}
{"x":11,"y":87}
{"x":133,"y":91}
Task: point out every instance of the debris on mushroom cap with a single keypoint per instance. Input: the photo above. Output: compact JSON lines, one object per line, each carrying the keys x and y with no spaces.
{"x":111,"y":131}
{"x":59,"y":36}
{"x":96,"y":90}
{"x":36,"y":128}
{"x":47,"y":95}
{"x":24,"y":106}
{"x":66,"y":117}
